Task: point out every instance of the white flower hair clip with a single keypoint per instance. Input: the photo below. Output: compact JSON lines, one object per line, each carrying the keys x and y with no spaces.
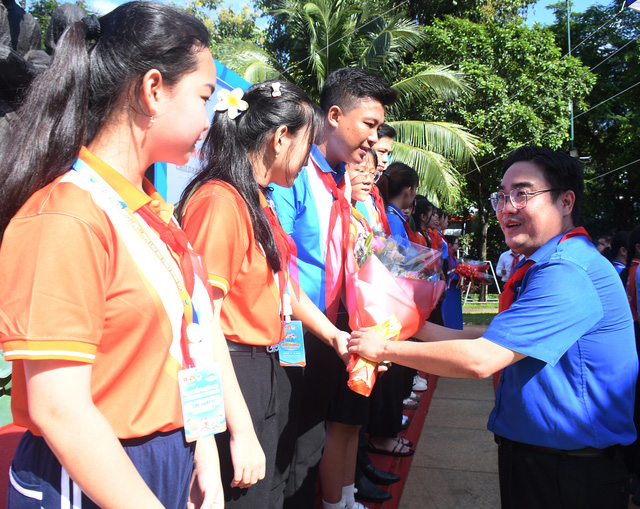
{"x":231,"y":102}
{"x":275,"y":89}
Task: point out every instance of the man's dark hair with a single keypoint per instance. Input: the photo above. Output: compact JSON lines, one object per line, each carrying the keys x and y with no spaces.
{"x":561,"y":170}
{"x":386,"y":131}
{"x":346,"y":86}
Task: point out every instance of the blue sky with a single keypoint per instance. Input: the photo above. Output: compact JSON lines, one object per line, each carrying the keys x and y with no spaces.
{"x":537,"y":13}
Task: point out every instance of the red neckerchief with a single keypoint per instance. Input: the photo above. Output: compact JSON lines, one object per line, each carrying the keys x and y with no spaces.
{"x":514,"y":262}
{"x":334,"y":261}
{"x":190,"y":265}
{"x":508,"y":295}
{"x":379,"y":203}
{"x":435,"y":238}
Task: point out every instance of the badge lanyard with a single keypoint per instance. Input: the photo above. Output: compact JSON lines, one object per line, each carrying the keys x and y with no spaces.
{"x":190,"y":332}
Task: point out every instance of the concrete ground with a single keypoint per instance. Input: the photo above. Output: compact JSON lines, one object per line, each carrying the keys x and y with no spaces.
{"x":455,"y":465}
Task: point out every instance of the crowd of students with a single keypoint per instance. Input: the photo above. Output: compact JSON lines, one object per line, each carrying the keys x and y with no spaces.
{"x":135,"y":332}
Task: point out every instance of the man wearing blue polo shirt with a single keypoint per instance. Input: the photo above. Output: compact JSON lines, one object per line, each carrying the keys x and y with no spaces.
{"x":564,"y":404}
{"x":316,"y":213}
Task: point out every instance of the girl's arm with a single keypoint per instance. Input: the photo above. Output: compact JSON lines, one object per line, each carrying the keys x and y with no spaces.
{"x":206,"y":485}
{"x":317,"y":323}
{"x":60,"y":404}
{"x":249,"y":461}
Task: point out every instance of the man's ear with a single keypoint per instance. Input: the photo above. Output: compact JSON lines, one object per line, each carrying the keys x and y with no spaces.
{"x":333,"y":116}
{"x":568,"y":200}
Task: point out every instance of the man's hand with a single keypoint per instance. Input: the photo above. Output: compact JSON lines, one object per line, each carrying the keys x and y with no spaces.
{"x":368,"y":344}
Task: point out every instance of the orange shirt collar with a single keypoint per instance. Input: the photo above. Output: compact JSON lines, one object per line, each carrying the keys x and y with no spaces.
{"x":130,"y":194}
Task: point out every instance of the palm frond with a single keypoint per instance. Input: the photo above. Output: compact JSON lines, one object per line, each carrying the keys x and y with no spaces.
{"x":249,"y":61}
{"x":451,"y":140}
{"x":388,"y":41}
{"x":438,"y":81}
{"x":439,"y":180}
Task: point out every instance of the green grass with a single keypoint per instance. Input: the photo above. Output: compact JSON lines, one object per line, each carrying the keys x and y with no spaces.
{"x":477,"y":318}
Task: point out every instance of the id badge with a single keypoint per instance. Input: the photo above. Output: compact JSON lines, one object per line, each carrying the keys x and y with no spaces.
{"x":291,"y":348}
{"x":202,"y":403}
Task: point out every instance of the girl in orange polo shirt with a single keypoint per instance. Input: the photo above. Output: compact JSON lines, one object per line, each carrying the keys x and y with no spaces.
{"x":103,"y":301}
{"x":256,"y":139}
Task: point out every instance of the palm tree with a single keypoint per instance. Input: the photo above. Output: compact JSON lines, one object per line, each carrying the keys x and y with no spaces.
{"x":325,"y":35}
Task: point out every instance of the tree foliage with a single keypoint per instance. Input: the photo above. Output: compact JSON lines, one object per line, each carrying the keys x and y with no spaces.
{"x":607,"y":38}
{"x":521,"y":88}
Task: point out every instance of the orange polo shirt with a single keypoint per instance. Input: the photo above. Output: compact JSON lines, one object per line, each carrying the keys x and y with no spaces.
{"x":76,"y":286}
{"x":219,"y":227}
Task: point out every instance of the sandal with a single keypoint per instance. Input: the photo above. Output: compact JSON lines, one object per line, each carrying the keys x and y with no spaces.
{"x":396,"y":451}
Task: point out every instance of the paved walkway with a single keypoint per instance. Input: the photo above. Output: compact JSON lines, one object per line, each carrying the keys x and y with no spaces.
{"x":455,"y":464}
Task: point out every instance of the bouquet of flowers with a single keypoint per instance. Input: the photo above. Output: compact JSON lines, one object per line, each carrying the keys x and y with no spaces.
{"x":363,"y":372}
{"x":471,"y":273}
{"x":387,"y":276}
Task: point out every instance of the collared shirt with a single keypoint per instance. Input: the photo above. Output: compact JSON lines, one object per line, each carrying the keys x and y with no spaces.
{"x":576,"y":386}
{"x":80,"y":284}
{"x":219,"y":226}
{"x":304,"y":211}
{"x":396,"y":221}
{"x":506,"y":262}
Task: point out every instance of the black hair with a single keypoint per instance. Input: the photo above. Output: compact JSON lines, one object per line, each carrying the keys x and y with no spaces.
{"x":620,"y":239}
{"x":85,"y":84}
{"x":386,"y":131}
{"x":452,"y":239}
{"x":395,"y":179}
{"x":346,"y":86}
{"x":423,"y":206}
{"x":230,"y":143}
{"x":561,"y":170}
{"x":374,"y":155}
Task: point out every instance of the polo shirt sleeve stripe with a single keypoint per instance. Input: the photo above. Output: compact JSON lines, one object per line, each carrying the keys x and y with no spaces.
{"x":219,"y":282}
{"x":49,"y":349}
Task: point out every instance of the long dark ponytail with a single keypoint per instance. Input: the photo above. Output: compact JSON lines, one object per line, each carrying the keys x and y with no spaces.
{"x":230,"y":143}
{"x":85,"y":85}
{"x":394,"y":179}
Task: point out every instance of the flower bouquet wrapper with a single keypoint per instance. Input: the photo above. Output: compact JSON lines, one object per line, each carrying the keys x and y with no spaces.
{"x":363,"y":372}
{"x":397,"y":280}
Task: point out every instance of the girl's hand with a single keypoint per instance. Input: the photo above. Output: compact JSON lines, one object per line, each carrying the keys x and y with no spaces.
{"x":249,"y":462}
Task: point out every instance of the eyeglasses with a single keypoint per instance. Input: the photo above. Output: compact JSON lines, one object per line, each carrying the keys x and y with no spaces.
{"x":518,"y":197}
{"x":363,"y":175}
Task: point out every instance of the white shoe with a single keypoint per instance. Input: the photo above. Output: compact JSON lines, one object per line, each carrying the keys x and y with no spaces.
{"x":358,"y":505}
{"x":405,"y":419}
{"x":419,"y":383}
{"x":415,"y":397}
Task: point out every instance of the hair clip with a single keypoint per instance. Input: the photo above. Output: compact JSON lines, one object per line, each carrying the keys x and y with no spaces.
{"x":275,"y":87}
{"x":231,"y":102}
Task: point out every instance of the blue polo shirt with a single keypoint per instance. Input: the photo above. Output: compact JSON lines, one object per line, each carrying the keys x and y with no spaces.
{"x":396,"y":222}
{"x":576,"y":387}
{"x":304,"y":211}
